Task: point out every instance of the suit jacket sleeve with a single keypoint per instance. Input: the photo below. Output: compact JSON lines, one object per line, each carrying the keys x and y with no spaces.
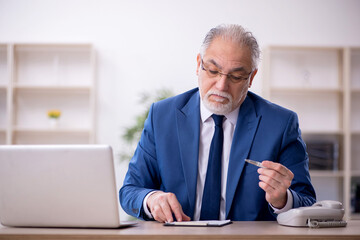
{"x":293,"y":155}
{"x":142,"y":176}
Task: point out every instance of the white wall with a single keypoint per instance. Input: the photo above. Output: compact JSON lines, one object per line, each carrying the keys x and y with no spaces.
{"x":144,"y":45}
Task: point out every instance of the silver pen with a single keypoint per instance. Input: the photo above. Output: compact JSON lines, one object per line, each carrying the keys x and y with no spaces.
{"x":256,"y":163}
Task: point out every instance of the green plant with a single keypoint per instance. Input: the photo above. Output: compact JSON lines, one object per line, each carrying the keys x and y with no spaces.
{"x":132,"y":134}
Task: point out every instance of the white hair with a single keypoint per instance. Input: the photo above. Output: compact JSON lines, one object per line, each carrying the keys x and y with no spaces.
{"x":236,"y":34}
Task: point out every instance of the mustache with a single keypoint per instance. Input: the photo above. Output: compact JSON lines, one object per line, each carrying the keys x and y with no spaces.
{"x":219,"y":93}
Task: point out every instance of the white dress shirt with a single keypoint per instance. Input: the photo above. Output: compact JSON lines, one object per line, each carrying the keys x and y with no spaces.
{"x":207,"y":129}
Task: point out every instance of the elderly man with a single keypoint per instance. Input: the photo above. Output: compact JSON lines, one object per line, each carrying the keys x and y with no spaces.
{"x":190,"y":161}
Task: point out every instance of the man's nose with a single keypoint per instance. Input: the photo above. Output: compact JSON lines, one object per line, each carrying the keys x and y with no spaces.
{"x":222,"y":83}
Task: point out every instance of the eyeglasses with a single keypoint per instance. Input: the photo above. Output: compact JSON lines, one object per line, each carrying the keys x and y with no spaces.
{"x":235,"y":78}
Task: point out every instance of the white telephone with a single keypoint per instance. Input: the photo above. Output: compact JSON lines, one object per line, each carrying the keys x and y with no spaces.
{"x":326,"y":213}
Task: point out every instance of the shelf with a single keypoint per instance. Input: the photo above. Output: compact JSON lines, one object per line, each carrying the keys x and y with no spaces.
{"x":305,"y":48}
{"x":51,"y":131}
{"x":2,"y":137}
{"x":52,"y":88}
{"x":304,"y":67}
{"x":322,"y":132}
{"x":37,"y":78}
{"x":355,"y":155}
{"x":305,"y":90}
{"x":355,"y":216}
{"x":318,"y":112}
{"x":3,"y":109}
{"x":51,"y":137}
{"x":355,"y":173}
{"x":328,"y":187}
{"x":53,"y":47}
{"x":3,"y":66}
{"x":31,"y":108}
{"x":355,"y":70}
{"x":326,"y":173}
{"x":53,"y":64}
{"x":355,"y":112}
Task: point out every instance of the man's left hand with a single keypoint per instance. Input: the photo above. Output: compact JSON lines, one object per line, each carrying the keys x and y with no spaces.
{"x":275,"y":179}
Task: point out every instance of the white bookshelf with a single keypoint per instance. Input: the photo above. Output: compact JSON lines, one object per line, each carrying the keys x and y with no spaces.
{"x":36,"y":78}
{"x":3,"y":92}
{"x":322,"y":85}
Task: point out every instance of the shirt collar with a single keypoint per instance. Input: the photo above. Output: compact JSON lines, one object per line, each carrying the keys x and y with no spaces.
{"x":205,"y":114}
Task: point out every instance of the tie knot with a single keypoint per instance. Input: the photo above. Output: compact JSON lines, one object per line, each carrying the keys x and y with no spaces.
{"x":218,"y":119}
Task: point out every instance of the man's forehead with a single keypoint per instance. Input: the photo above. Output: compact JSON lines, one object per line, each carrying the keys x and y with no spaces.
{"x":229,"y":64}
{"x":224,"y":52}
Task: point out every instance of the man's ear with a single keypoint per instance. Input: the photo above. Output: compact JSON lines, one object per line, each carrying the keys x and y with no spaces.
{"x":198,"y":60}
{"x":252,"y":77}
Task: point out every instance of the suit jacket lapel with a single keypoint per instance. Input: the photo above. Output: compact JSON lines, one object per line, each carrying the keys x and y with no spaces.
{"x":188,"y":127}
{"x":245,"y":130}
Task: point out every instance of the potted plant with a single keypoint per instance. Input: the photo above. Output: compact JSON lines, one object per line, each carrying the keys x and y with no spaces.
{"x":132,"y":134}
{"x":54,"y":116}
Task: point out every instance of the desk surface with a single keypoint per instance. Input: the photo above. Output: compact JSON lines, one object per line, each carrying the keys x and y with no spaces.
{"x":154,"y":230}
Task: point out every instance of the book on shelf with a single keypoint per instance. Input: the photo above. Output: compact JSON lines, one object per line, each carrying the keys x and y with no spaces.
{"x":323,"y":155}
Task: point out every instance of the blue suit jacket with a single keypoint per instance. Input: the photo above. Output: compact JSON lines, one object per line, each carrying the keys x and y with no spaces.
{"x":166,"y":157}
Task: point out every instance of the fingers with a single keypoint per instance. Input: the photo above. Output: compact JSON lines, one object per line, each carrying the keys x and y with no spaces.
{"x":175,"y":207}
{"x":164,"y":205}
{"x":275,"y":179}
{"x":278,"y":168}
{"x":278,"y":172}
{"x":272,"y":184}
{"x":185,"y":217}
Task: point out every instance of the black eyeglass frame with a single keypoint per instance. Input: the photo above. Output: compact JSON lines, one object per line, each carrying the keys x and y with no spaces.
{"x":234,"y":79}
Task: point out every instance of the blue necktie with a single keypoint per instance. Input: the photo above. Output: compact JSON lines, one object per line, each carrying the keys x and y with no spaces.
{"x":210,"y":207}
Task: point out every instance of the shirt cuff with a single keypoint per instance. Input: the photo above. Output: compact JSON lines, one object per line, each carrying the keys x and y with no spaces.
{"x":288,"y":205}
{"x":145,"y":207}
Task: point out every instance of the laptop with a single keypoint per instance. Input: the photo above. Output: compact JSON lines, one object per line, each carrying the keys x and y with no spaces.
{"x":58,"y":186}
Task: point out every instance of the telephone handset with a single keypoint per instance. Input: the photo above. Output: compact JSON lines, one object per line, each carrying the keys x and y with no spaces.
{"x":325,"y":213}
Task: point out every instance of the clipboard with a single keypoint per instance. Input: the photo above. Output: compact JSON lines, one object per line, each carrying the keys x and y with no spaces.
{"x":214,"y":223}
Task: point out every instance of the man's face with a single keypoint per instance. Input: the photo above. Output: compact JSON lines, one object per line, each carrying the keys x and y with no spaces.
{"x":220,"y":93}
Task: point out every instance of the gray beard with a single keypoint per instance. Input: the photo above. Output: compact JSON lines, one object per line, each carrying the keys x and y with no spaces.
{"x":218,"y":107}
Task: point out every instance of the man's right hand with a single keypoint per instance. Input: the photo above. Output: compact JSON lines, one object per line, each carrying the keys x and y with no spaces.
{"x":163,"y":205}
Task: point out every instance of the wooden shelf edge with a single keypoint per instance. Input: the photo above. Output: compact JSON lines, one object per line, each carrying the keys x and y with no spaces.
{"x":326,"y":173}
{"x":355,"y":174}
{"x":52,"y":87}
{"x":355,"y":90}
{"x":309,"y":132}
{"x":305,"y":90}
{"x":51,"y":131}
{"x":53,"y":47}
{"x":310,"y":47}
{"x":355,"y":216}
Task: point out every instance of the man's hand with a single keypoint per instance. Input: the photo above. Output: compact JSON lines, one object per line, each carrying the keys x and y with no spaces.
{"x":163,"y":205}
{"x":275,"y":179}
